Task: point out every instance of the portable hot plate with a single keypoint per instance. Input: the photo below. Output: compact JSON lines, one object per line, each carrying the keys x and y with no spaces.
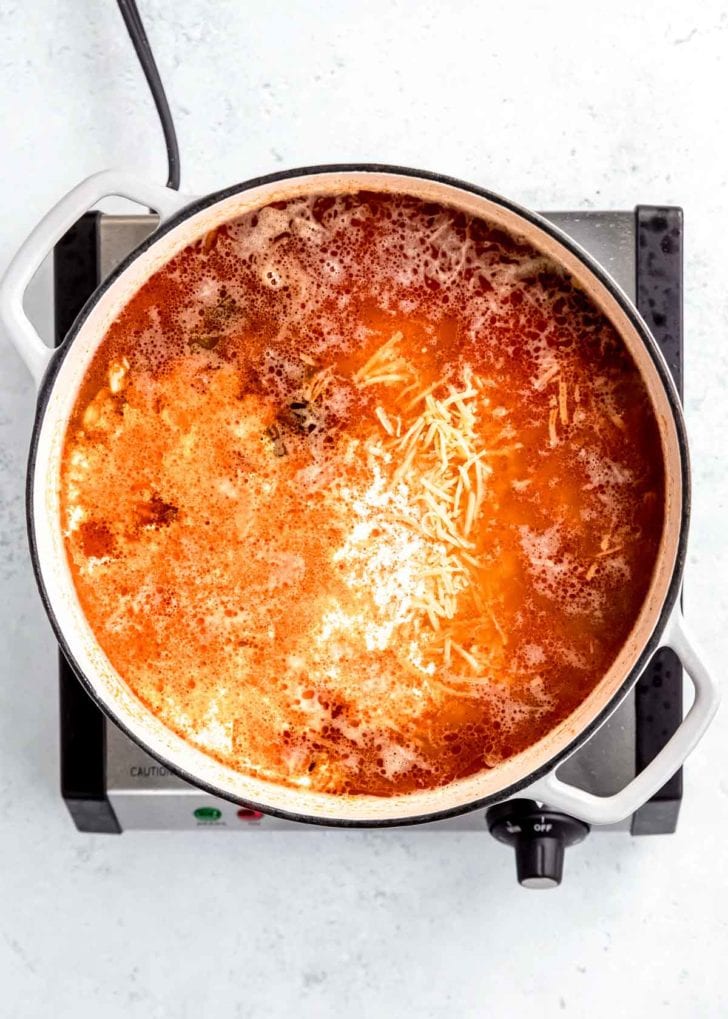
{"x":111,"y":785}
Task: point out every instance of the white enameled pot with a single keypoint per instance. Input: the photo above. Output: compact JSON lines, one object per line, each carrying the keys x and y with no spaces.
{"x":58,"y":375}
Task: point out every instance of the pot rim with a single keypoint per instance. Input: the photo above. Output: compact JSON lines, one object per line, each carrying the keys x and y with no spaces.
{"x":636,"y":321}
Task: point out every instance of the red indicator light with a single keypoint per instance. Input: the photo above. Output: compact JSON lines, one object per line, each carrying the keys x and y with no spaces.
{"x":248,"y":814}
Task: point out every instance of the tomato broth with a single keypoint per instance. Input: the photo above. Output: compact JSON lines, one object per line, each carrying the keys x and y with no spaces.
{"x":362,"y":494}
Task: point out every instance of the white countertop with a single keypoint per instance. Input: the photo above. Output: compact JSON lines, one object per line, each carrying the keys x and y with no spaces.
{"x":557,"y":108}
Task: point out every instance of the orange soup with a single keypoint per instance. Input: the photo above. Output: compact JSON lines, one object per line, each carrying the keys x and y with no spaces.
{"x":361,"y":494}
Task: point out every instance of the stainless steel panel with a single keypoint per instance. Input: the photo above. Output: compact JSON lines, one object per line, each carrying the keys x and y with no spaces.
{"x":609,"y":237}
{"x":145,"y":795}
{"x":118,"y":235}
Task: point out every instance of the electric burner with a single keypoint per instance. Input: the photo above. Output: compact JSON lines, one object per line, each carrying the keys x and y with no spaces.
{"x":111,"y":785}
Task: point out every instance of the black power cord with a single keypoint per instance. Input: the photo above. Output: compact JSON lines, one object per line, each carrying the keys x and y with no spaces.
{"x":135,"y":27}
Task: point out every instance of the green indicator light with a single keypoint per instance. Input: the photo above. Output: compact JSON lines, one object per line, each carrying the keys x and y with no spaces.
{"x":208,"y":814}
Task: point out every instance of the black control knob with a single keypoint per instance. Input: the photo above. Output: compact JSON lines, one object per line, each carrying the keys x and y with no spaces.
{"x":539,"y":836}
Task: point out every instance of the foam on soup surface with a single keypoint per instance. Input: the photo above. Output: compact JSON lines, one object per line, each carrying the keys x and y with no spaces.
{"x":361,"y":494}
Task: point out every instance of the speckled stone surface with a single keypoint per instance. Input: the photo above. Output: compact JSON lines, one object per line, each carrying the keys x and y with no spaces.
{"x":558,"y":106}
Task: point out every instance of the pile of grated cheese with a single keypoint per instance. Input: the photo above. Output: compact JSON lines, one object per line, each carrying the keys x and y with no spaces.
{"x":440,"y":464}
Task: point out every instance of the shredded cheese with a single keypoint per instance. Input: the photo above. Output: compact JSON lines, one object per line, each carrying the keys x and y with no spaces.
{"x":439,"y":457}
{"x":563,"y":409}
{"x":553,"y":435}
{"x":543,"y":380}
{"x":386,"y":423}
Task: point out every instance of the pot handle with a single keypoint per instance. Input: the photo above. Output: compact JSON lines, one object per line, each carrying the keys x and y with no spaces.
{"x":610,"y":809}
{"x":51,"y":228}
